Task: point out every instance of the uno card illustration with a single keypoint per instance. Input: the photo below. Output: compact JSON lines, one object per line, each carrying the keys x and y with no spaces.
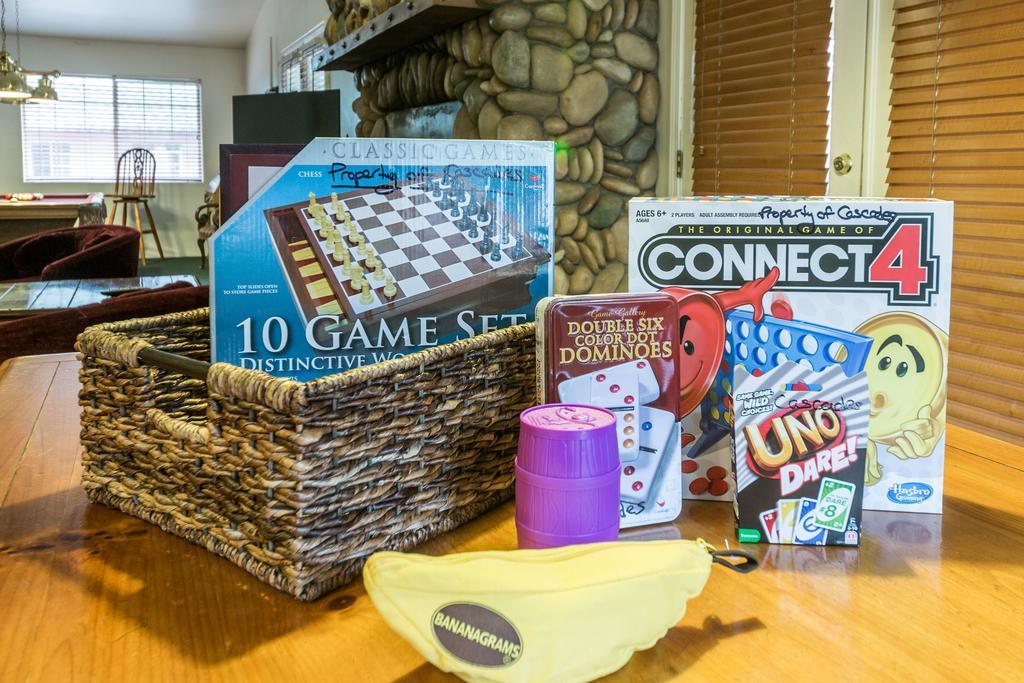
{"x":807,"y":531}
{"x":789,"y":510}
{"x":769,"y":521}
{"x":835,"y":499}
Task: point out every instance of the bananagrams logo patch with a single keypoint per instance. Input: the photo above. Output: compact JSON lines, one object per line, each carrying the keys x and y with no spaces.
{"x":477,"y":634}
{"x":909,"y":493}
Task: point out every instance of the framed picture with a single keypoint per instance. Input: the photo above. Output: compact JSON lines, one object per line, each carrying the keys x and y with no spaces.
{"x":244,"y":169}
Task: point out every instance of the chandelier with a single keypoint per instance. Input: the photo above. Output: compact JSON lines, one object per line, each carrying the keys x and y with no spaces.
{"x":14,"y":87}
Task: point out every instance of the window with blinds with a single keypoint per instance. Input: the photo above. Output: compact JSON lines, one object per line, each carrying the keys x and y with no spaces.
{"x":957,"y":132}
{"x":80,"y":137}
{"x":298,"y":71}
{"x":761,"y":98}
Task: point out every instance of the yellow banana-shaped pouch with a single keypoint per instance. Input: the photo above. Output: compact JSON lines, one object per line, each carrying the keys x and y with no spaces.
{"x":560,"y":614}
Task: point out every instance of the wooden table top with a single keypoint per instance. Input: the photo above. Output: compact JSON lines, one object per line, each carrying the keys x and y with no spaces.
{"x":20,"y":299}
{"x":87,"y":593}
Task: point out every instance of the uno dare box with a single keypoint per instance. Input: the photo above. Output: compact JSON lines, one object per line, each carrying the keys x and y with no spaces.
{"x":799,"y":413}
{"x":619,"y":352}
{"x":363,"y":250}
{"x":874,"y":267}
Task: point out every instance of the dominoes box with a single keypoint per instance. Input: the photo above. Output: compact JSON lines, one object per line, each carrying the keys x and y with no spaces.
{"x":619,"y":352}
{"x":363,"y":250}
{"x":879,"y":268}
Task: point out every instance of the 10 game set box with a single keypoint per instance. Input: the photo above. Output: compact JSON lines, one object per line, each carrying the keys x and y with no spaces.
{"x":845,"y":306}
{"x":363,"y":250}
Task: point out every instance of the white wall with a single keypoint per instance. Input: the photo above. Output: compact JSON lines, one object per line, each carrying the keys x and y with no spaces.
{"x":222,"y":72}
{"x":284,"y":21}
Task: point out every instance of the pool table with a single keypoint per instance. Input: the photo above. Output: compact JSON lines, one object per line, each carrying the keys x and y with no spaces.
{"x":26,"y":214}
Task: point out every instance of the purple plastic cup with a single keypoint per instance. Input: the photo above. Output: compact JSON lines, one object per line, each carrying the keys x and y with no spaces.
{"x":567,"y":476}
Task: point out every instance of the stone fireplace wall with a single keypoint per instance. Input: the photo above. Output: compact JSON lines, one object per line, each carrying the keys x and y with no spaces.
{"x":578,"y":72}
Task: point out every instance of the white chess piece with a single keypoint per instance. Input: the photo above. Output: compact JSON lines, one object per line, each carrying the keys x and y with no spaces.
{"x":367,"y":296}
{"x":389,"y":287}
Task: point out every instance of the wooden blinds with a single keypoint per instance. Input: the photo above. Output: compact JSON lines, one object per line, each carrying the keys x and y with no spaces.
{"x":761,"y":99}
{"x":957,"y":132}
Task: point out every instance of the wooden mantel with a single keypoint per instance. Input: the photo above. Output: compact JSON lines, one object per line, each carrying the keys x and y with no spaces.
{"x":400,"y":27}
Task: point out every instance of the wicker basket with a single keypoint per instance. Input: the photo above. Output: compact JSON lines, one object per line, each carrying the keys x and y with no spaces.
{"x":298,"y":483}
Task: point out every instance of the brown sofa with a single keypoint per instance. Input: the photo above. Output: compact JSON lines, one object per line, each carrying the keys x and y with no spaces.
{"x":56,"y":332}
{"x":95,"y":251}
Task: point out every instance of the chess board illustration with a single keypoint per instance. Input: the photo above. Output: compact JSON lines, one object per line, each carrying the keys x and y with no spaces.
{"x":373,"y":254}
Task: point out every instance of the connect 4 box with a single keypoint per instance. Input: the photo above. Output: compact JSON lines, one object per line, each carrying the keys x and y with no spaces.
{"x":878,"y":269}
{"x":359,"y":251}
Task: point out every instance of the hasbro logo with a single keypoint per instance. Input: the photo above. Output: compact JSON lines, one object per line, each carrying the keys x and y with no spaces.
{"x":910,"y":493}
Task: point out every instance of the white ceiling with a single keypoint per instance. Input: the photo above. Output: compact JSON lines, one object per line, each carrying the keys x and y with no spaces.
{"x":219,"y":23}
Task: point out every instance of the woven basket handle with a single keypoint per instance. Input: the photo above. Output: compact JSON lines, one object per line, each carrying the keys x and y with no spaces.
{"x":179,"y":429}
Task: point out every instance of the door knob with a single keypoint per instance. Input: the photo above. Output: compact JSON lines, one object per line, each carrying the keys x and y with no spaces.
{"x":842,"y":164}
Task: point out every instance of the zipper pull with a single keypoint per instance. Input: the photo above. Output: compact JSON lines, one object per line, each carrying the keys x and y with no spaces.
{"x":749,"y":562}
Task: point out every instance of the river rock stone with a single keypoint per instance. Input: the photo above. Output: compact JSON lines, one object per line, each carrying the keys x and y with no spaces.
{"x":555,"y":35}
{"x":471,"y":43}
{"x":576,"y":19}
{"x":629,"y":19}
{"x":551,"y":12}
{"x":569,"y":267}
{"x":579,"y":52}
{"x":619,"y":185}
{"x":464,"y":127}
{"x":615,"y":168}
{"x":604,"y":50}
{"x":474,"y":98}
{"x":561,"y":163}
{"x":510,"y":18}
{"x":576,"y":137}
{"x":528,"y":102}
{"x":581,"y":281}
{"x":606,"y":211}
{"x":584,"y":98}
{"x":647,"y":171}
{"x":597,"y":151}
{"x":554,"y":125}
{"x":636,"y":51}
{"x":561,"y":281}
{"x":588,"y":201}
{"x":639,"y":145}
{"x":593,"y":240}
{"x":567,"y":193}
{"x":574,"y":164}
{"x":487,"y":122}
{"x":620,"y":234}
{"x":581,"y":230}
{"x":618,"y":12}
{"x":595,"y":5}
{"x":572,"y":249}
{"x":519,"y":127}
{"x":589,"y":258}
{"x":613,"y":69}
{"x":551,"y":68}
{"x":586,"y":163}
{"x":618,"y":121}
{"x":613,"y":154}
{"x":593,"y":28}
{"x":648,"y":98}
{"x":604,"y":36}
{"x":511,"y":59}
{"x":647,"y":18}
{"x":609,"y":278}
{"x":582,"y":68}
{"x":609,"y":244}
{"x":636,"y":82}
{"x":566,"y":220}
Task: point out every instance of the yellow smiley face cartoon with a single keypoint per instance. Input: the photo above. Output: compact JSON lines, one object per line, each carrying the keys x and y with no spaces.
{"x":907,"y":381}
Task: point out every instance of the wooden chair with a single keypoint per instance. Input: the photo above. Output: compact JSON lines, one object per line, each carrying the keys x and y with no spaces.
{"x":208,"y":217}
{"x":136,"y":184}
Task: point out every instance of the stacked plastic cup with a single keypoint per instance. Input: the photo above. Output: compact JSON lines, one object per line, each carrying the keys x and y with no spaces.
{"x":567,"y":476}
